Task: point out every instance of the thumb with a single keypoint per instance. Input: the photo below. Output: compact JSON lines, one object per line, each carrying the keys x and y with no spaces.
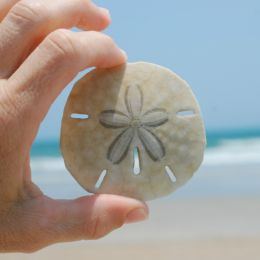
{"x":95,"y":216}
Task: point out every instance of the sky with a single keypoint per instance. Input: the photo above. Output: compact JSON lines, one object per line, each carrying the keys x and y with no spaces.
{"x":213,"y":44}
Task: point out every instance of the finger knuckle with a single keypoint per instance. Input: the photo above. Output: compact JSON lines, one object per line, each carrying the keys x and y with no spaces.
{"x":61,"y":44}
{"x":8,"y":104}
{"x":93,"y":230}
{"x":107,"y":40}
{"x":26,"y":13}
{"x":102,"y":38}
{"x":99,"y":228}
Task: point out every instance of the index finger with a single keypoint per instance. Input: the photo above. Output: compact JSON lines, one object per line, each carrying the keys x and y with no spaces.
{"x":40,"y":79}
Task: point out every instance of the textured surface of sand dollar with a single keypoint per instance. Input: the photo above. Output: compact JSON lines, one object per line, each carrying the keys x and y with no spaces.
{"x":134,"y":130}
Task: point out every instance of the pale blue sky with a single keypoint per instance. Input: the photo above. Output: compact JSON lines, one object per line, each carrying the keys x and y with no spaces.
{"x":214,"y":45}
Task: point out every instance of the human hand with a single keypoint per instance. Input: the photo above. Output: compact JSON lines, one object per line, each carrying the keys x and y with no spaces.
{"x":37,"y":60}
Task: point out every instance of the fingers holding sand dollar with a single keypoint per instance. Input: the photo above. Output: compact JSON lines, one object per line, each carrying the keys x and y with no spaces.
{"x":54,"y":64}
{"x":29,"y":21}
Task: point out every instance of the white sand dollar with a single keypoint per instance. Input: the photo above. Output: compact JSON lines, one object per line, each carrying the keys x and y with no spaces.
{"x":134,"y":130}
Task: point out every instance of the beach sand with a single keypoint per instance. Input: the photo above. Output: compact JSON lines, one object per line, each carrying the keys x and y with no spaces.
{"x":181,"y":250}
{"x":183,"y":229}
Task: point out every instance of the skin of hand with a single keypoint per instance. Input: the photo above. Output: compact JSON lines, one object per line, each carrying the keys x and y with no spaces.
{"x":39,"y":56}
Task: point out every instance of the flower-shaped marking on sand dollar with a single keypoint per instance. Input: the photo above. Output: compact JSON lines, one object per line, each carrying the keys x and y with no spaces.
{"x":135,"y":122}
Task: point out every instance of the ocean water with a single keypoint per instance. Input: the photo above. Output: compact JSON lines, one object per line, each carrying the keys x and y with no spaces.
{"x":231,"y":167}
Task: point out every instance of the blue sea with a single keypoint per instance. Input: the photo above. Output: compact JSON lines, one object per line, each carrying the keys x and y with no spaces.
{"x":231,"y":167}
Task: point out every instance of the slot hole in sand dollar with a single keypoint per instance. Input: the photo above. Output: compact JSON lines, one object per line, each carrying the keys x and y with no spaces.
{"x":170,"y":174}
{"x":185,"y":113}
{"x":136,"y":166}
{"x":79,"y":116}
{"x":100,"y":179}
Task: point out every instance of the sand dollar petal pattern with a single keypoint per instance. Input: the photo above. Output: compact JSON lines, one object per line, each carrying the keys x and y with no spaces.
{"x":134,"y":100}
{"x":114,"y":119}
{"x":155,"y":117}
{"x":119,"y":148}
{"x":136,"y":123}
{"x":152,"y":144}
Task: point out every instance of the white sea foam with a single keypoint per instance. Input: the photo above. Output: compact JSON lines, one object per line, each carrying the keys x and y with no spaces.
{"x":234,"y":152}
{"x":47,"y":164}
{"x":229,"y":152}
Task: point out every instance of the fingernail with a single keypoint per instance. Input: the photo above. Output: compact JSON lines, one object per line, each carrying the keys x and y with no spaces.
{"x":124,"y":53}
{"x":105,"y":11}
{"x":136,"y":215}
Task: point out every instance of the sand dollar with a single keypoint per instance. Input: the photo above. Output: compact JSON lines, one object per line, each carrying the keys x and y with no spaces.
{"x":133,"y":130}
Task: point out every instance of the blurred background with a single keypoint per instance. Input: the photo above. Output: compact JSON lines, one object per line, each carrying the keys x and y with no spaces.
{"x":215,"y":46}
